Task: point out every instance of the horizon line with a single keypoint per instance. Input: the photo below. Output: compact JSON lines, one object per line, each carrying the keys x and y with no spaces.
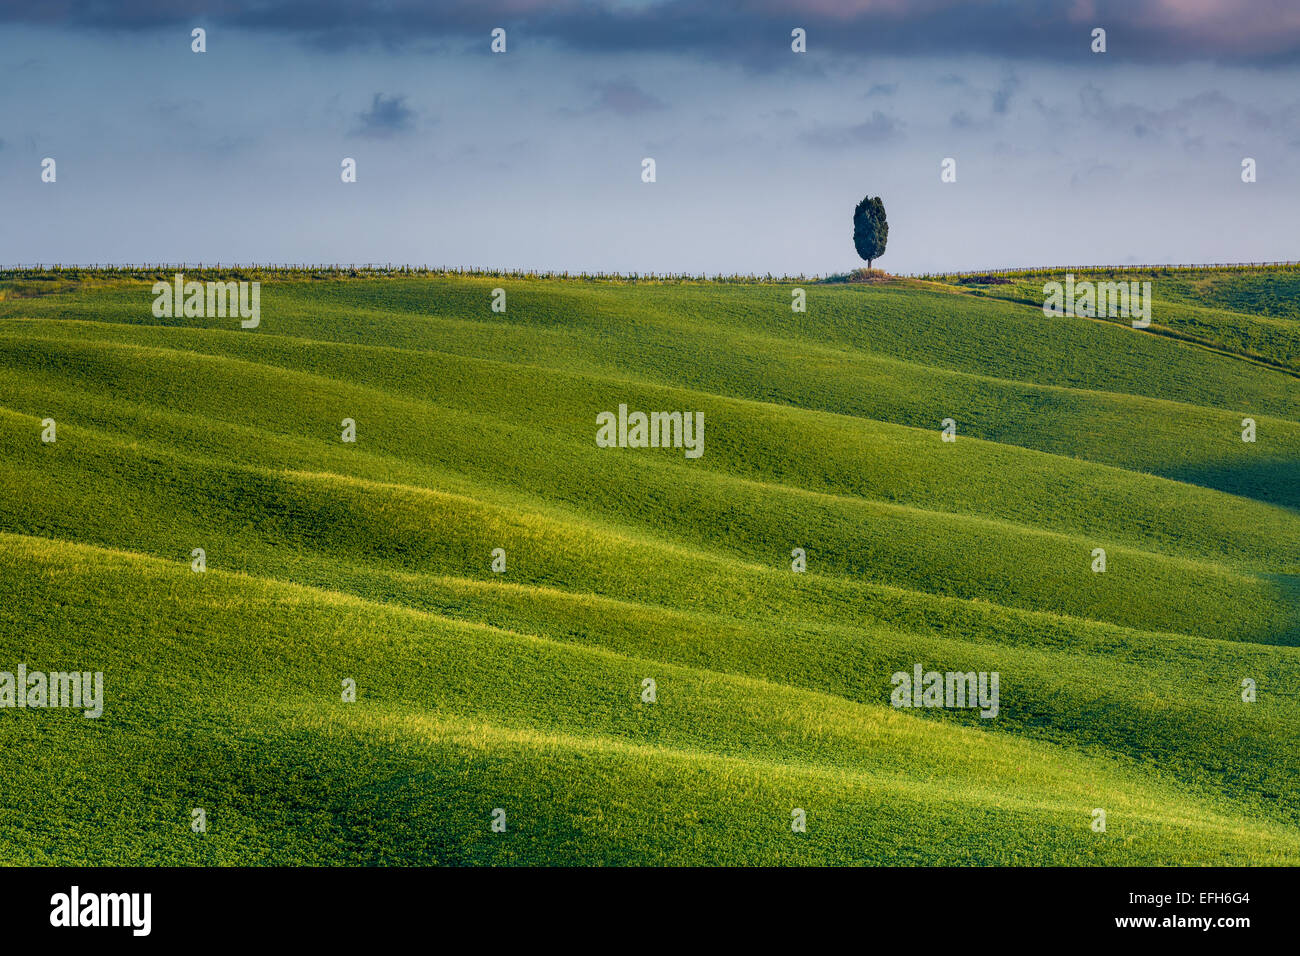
{"x":376,"y":268}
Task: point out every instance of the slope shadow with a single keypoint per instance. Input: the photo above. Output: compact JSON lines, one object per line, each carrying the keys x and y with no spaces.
{"x":1275,"y":481}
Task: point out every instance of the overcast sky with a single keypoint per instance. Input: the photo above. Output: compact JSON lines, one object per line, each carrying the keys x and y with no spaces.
{"x":533,"y":158}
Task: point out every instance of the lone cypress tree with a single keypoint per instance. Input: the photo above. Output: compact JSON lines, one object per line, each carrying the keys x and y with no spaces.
{"x":870,"y":230}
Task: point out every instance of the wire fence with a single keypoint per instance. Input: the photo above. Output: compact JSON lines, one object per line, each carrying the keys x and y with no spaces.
{"x":371,"y":270}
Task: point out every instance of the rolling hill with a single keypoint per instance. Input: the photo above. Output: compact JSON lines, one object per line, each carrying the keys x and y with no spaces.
{"x":523,"y":690}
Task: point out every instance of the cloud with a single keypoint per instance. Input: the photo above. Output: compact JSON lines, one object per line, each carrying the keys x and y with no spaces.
{"x":755,"y":32}
{"x":625,"y":98}
{"x":883,"y":89}
{"x":878,"y":129}
{"x":1095,"y":173}
{"x":1210,"y":108}
{"x":621,"y":97}
{"x":1002,"y":95}
{"x":1144,"y":121}
{"x":387,"y":116}
{"x":176,"y":112}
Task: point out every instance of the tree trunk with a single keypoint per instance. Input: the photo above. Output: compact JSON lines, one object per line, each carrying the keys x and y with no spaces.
{"x":869,"y":261}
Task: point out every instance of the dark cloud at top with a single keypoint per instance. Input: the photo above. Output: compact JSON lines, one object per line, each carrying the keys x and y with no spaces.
{"x":754,"y":32}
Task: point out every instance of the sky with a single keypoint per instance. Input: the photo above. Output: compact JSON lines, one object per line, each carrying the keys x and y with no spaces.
{"x":532,"y":158}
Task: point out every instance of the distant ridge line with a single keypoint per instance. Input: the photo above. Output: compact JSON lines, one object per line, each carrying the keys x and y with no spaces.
{"x":1134,"y":267}
{"x":161,"y":270}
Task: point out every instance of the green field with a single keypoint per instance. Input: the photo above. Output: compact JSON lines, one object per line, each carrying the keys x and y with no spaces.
{"x":522,"y":690}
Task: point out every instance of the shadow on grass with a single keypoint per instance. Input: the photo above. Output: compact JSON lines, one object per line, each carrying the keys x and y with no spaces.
{"x":1276,"y":481}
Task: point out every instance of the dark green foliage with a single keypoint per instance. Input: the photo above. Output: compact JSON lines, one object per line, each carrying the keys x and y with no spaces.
{"x":870,"y":229}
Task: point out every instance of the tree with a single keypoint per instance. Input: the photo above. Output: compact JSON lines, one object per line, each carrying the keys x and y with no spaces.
{"x":870,"y":230}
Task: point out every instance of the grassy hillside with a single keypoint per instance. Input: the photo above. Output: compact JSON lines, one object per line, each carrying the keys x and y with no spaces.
{"x":522,"y":690}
